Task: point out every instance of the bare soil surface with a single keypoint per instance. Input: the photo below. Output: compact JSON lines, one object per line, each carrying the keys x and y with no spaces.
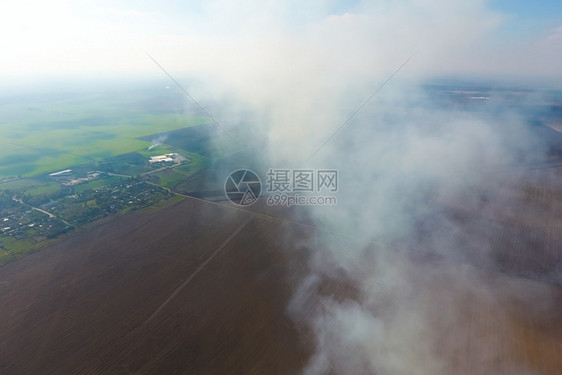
{"x":123,"y":298}
{"x":197,"y":288}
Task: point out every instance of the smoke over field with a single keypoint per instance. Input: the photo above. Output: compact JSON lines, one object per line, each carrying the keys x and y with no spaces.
{"x":432,"y":205}
{"x":410,"y":272}
{"x":157,"y":141}
{"x":443,"y":254}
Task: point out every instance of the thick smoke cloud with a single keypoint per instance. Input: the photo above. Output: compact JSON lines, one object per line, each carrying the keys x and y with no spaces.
{"x":400,"y":165}
{"x":404,"y":162}
{"x":305,"y":77}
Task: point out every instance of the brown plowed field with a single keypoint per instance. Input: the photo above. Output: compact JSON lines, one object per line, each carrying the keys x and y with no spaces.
{"x":201,"y":289}
{"x":83,"y":305}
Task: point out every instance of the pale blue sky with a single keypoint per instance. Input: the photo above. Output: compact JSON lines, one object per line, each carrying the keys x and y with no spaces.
{"x":476,"y":36}
{"x":530,"y":9}
{"x":527,"y":18}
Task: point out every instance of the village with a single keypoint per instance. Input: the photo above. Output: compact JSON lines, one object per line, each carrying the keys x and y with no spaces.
{"x":59,"y":213}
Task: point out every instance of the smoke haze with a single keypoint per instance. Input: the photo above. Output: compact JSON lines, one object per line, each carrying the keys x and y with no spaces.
{"x":410,"y":291}
{"x":405,"y":273}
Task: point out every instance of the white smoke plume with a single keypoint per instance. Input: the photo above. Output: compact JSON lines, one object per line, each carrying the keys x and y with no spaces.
{"x":157,"y":141}
{"x":383,"y":297}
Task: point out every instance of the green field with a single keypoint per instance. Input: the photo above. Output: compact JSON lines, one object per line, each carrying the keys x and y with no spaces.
{"x":108,"y":132}
{"x":31,"y":186}
{"x":18,"y":248}
{"x":43,"y":135}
